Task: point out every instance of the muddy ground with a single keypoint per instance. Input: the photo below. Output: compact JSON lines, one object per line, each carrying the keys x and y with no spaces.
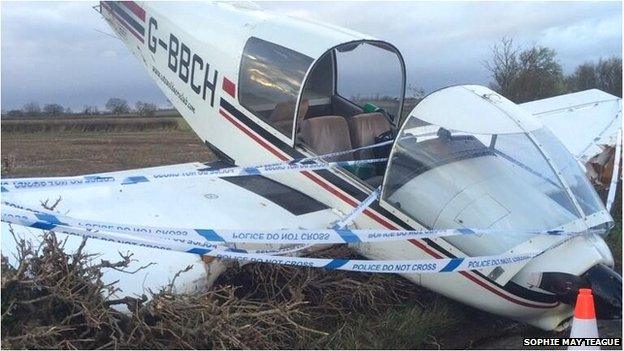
{"x":71,"y":152}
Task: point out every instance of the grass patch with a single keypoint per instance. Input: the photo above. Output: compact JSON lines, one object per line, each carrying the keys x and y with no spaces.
{"x":408,"y":326}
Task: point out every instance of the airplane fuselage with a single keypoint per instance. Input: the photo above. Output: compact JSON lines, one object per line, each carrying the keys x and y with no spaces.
{"x":194,"y":59}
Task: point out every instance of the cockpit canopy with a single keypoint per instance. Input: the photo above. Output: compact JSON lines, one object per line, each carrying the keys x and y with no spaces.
{"x":468,"y":157}
{"x":275,"y":82}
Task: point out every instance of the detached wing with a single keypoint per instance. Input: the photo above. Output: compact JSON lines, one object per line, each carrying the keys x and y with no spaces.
{"x":586,"y":122}
{"x":251,"y":202}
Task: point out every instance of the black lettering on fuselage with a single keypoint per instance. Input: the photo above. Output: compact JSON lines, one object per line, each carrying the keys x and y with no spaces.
{"x":185,"y":59}
{"x":173,"y":53}
{"x":185,"y":63}
{"x":151,"y":44}
{"x":196,"y":60}
{"x":210,"y":85}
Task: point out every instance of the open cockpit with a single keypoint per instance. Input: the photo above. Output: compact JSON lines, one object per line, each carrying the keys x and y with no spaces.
{"x":351,"y":97}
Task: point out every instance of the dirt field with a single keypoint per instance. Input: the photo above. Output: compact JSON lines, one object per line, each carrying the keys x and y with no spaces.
{"x":72,"y":152}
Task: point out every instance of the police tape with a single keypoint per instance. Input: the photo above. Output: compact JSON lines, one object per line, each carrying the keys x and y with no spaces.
{"x":339,"y":234}
{"x":26,"y":184}
{"x":339,"y":153}
{"x":348,"y":219}
{"x":23,"y":219}
{"x":441,"y":265}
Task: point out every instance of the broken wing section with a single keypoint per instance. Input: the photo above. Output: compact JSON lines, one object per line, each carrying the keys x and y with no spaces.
{"x":588,"y":124}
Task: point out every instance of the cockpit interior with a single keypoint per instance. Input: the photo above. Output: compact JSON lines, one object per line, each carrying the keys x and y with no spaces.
{"x":351,"y":97}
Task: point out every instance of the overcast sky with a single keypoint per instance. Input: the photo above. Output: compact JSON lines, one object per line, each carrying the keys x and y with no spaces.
{"x":55,"y":51}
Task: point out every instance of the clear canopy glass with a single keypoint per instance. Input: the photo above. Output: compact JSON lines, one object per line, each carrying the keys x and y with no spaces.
{"x":445,"y":178}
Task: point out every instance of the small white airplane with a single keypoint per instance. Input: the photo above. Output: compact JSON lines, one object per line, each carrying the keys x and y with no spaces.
{"x":260,"y":88}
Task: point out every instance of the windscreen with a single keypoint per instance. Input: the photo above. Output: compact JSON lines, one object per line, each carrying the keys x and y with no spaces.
{"x":444,"y":178}
{"x":270,"y":79}
{"x":574,"y":175}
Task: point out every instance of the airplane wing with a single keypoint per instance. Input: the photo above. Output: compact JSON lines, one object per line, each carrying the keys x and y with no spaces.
{"x":236,"y":203}
{"x":585,"y":122}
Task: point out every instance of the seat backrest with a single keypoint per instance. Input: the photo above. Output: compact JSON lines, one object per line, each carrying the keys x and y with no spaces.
{"x":327,"y":134}
{"x":285,"y":111}
{"x":363,"y":129}
{"x":283,"y":115}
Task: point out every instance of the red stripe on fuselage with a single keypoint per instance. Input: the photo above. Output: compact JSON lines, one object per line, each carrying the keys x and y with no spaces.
{"x":135,"y":8}
{"x":501,"y":294}
{"x":338,"y":193}
{"x":253,"y":135}
{"x":229,"y":87}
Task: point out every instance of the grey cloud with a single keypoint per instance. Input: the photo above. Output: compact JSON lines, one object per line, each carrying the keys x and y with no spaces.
{"x":446,"y":43}
{"x":51,"y":52}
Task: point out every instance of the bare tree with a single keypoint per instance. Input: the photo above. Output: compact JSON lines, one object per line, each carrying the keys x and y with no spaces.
{"x":525,"y":75}
{"x":117,"y":106}
{"x":504,"y":66}
{"x":583,"y":78}
{"x":415,"y":92}
{"x":540,"y":75}
{"x":610,"y":75}
{"x":53,"y":110}
{"x":90,"y":110}
{"x":606,"y":75}
{"x":145,"y":108}
{"x":31,"y":109}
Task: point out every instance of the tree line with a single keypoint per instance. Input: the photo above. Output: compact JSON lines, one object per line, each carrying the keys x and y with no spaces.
{"x":523,"y":75}
{"x":115,"y":106}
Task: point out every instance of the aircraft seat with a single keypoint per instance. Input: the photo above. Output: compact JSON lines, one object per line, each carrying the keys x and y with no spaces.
{"x":326,"y":134}
{"x":364,"y":128}
{"x":283,"y":115}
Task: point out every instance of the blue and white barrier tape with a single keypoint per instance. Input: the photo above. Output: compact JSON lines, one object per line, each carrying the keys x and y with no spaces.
{"x":25,"y":184}
{"x":443,"y":265}
{"x":45,"y":222}
{"x":348,"y":219}
{"x":339,"y":153}
{"x":337,"y":235}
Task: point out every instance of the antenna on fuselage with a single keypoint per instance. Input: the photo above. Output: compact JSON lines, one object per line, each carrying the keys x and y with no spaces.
{"x":110,"y":35}
{"x":98,"y":9}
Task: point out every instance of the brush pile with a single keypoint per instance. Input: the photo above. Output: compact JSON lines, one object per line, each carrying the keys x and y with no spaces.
{"x":57,"y":300}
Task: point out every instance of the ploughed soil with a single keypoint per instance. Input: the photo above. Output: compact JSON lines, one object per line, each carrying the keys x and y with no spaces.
{"x":62,"y":154}
{"x":71,"y":152}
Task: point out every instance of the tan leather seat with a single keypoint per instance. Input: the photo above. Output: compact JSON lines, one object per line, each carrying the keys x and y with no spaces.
{"x":283,"y":115}
{"x":327,"y":134}
{"x":363,"y":129}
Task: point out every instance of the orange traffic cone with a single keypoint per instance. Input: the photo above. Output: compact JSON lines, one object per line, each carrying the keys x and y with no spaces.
{"x":584,"y":322}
